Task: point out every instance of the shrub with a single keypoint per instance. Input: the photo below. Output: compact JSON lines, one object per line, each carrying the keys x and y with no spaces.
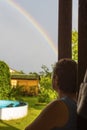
{"x":9,"y":93}
{"x":46,"y":94}
{"x":4,"y":74}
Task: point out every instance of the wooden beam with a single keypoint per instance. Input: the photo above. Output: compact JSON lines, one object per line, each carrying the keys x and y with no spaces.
{"x":65,"y":29}
{"x":82,"y":53}
{"x":82,"y":40}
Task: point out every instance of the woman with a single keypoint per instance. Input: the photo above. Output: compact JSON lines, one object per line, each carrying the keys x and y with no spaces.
{"x":61,"y":113}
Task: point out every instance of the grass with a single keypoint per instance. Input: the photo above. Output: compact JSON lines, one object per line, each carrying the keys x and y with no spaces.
{"x":33,"y":111}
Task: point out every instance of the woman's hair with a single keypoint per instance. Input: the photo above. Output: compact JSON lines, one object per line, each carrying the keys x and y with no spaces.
{"x":66,"y":71}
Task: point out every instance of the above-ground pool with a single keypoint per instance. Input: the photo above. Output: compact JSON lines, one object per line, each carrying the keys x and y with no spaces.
{"x":12,"y":109}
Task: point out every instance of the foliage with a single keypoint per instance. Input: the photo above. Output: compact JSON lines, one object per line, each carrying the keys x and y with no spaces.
{"x":75,"y":45}
{"x":21,"y":72}
{"x":10,"y":93}
{"x":4,"y":74}
{"x":15,"y":93}
{"x":32,"y":90}
{"x":46,"y":94}
{"x":34,"y":74}
{"x":6,"y":90}
{"x":45,"y":71}
{"x":45,"y":82}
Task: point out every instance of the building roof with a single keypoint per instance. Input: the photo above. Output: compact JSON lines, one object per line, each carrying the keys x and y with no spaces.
{"x":24,"y":76}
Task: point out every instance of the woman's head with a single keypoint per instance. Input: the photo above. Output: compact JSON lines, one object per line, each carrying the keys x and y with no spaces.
{"x":65,"y":75}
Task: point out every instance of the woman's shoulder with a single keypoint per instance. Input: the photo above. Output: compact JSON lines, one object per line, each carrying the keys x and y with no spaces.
{"x":55,"y":114}
{"x":58,"y":104}
{"x":58,"y":112}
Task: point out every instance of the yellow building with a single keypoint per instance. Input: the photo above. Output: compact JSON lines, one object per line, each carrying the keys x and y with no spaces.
{"x":29,"y":83}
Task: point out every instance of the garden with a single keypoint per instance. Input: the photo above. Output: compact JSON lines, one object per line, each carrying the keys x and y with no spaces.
{"x":35,"y":103}
{"x":34,"y":108}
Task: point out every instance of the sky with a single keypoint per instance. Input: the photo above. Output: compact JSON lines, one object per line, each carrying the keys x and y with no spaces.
{"x":29,"y":33}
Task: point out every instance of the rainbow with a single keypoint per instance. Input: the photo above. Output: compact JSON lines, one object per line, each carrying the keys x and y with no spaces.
{"x":33,"y":22}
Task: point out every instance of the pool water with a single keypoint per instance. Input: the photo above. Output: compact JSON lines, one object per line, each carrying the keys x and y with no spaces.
{"x":10,"y":109}
{"x":8,"y":103}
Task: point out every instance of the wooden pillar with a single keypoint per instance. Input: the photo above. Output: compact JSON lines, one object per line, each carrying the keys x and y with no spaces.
{"x":82,"y":40}
{"x":82,"y":53}
{"x":65,"y":29}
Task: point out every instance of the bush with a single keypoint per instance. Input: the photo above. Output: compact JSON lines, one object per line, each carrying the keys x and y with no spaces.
{"x":46,"y":94}
{"x":5,"y":77}
{"x":9,"y":93}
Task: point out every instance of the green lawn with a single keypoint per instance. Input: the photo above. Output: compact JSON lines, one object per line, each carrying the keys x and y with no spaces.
{"x":19,"y":124}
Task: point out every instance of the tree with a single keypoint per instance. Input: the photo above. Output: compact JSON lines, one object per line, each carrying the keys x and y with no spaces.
{"x":6,"y":91}
{"x":4,"y":74}
{"x":75,"y":45}
{"x":45,"y":71}
{"x":46,"y":94}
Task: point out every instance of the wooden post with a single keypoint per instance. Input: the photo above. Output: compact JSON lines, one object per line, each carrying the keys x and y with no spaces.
{"x":82,"y":54}
{"x":65,"y":29}
{"x":82,"y":40}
